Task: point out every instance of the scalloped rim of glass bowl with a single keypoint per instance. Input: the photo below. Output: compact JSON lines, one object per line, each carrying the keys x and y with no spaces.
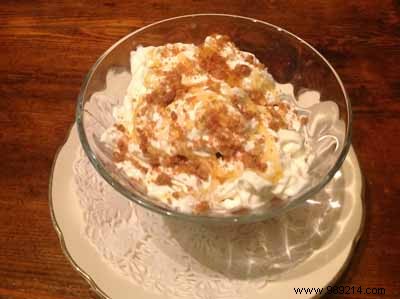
{"x":98,"y":165}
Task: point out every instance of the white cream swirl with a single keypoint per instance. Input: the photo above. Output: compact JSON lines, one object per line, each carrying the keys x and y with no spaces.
{"x":286,"y":175}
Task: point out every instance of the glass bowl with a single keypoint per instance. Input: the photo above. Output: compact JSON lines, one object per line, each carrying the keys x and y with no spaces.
{"x":289,"y":59}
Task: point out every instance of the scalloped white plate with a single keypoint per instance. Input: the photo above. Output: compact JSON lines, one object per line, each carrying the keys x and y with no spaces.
{"x":321,"y":269}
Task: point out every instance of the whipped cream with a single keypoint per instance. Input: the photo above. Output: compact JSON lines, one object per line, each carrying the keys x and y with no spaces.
{"x":206,"y":129}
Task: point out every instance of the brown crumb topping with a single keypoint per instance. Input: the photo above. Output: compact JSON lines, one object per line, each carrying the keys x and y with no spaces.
{"x":227,"y":130}
{"x":216,"y":65}
{"x":122,"y":146}
{"x":166,"y":93}
{"x":213,"y":63}
{"x":176,"y":194}
{"x":174,"y":117}
{"x":181,"y":163}
{"x":138,"y":165}
{"x":202,"y":207}
{"x":120,"y":128}
{"x":304,"y":120}
{"x":242,"y":70}
{"x":253,"y":161}
{"x":277,"y":118}
{"x":163,"y":179}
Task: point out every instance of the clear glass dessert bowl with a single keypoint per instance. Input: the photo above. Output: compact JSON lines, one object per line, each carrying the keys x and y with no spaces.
{"x":289,"y":59}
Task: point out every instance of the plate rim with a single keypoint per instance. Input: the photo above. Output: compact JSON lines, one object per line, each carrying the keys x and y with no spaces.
{"x":92,"y":284}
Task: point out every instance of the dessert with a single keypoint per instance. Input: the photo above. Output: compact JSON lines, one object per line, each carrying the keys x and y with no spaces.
{"x":206,"y":129}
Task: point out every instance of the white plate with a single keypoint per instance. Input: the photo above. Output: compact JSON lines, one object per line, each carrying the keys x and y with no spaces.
{"x":321,"y":269}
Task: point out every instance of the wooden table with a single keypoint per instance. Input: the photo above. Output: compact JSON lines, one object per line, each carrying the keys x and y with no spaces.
{"x":46,"y":47}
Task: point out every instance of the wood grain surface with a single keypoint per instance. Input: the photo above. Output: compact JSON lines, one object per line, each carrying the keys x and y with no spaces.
{"x":46,"y":47}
